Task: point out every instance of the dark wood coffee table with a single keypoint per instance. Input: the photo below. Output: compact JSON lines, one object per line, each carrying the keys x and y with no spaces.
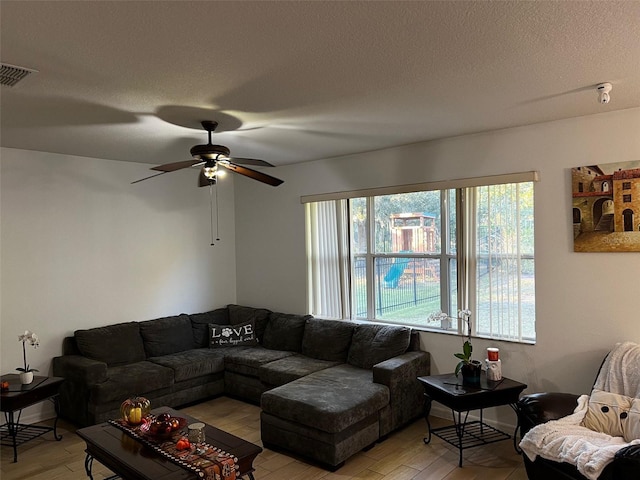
{"x":131,"y":460}
{"x":449,"y":390}
{"x":21,"y":396}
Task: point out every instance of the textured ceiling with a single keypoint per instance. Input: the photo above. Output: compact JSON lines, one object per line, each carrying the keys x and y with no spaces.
{"x":297,"y":81}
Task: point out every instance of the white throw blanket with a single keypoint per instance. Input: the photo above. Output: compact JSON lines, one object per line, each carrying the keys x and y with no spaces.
{"x":565,"y":440}
{"x":620,"y":371}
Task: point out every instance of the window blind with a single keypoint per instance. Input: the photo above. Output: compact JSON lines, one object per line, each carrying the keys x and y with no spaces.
{"x":531,"y":176}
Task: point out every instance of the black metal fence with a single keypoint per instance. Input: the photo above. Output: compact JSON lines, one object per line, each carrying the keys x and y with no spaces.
{"x":400,"y":283}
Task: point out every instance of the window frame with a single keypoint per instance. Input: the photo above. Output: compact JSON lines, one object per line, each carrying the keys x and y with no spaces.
{"x":464,"y":254}
{"x":370,"y":257}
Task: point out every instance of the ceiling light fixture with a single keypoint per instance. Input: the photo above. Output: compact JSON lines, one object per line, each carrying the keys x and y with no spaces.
{"x":210,"y":170}
{"x":603,"y":92}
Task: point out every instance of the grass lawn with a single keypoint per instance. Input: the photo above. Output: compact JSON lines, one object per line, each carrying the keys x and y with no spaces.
{"x":411,"y":303}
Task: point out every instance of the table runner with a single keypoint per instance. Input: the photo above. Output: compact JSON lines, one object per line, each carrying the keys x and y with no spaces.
{"x":208,"y":462}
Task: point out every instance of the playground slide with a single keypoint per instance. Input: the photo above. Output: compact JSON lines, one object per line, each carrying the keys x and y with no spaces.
{"x":392,"y":278}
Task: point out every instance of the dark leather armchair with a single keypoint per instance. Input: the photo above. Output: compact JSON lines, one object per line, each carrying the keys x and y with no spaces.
{"x":539,"y":408}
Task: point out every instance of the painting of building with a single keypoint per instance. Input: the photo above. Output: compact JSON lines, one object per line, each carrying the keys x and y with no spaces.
{"x":606,"y":207}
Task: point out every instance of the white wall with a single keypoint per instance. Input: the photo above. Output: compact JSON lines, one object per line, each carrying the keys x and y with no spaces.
{"x":586,"y":302}
{"x":81,"y":247}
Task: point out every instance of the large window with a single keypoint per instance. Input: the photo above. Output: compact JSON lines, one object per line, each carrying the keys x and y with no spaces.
{"x":400,"y":257}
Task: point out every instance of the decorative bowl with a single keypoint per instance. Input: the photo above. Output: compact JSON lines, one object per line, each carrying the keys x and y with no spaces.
{"x":162,"y":429}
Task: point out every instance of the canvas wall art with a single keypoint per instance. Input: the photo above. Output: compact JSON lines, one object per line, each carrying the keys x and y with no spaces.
{"x":606,"y":207}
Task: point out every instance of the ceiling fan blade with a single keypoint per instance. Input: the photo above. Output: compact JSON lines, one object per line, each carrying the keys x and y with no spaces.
{"x":172,"y":167}
{"x":150,"y":176}
{"x":247,"y":172}
{"x":250,"y":161}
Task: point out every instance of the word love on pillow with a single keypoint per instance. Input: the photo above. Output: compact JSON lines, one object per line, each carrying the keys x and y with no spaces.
{"x":242,"y":334}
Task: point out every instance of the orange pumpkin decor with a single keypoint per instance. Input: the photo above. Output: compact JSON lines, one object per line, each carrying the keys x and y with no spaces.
{"x":183,"y":444}
{"x":134,"y":409}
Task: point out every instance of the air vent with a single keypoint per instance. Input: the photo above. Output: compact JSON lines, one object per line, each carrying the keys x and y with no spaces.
{"x":10,"y":75}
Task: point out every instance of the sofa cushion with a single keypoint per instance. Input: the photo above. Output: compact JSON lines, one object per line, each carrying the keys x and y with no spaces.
{"x":285,"y":331}
{"x":242,"y":334}
{"x":192,"y":363}
{"x":98,"y":343}
{"x":247,"y":360}
{"x":291,"y":368}
{"x":200,"y":324}
{"x":133,"y":379}
{"x":167,"y":335}
{"x":240,"y":314}
{"x":373,"y":344}
{"x":327,"y":339}
{"x":330,"y":400}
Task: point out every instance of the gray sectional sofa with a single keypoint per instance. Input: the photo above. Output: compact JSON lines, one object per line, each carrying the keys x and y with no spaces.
{"x":327,"y":388}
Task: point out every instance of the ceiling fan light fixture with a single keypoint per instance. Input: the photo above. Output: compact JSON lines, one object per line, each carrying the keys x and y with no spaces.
{"x":210,"y":170}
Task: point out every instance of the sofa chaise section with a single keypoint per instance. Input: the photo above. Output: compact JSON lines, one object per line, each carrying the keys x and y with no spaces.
{"x":333,"y":413}
{"x":327,"y":416}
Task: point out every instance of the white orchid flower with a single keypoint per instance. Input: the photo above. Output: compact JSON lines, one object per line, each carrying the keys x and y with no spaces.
{"x":34,"y":341}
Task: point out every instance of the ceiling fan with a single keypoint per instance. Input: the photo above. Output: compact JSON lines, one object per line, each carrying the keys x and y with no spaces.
{"x":210,"y":157}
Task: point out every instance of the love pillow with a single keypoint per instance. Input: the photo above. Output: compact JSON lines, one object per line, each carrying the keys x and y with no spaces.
{"x":243,"y":334}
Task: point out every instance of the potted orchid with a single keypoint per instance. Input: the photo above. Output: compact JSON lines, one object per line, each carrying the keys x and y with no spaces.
{"x":26,"y":372}
{"x":470,"y":368}
{"x":442,"y":318}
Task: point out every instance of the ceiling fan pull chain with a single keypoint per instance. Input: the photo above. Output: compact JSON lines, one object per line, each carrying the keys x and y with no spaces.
{"x":211,"y":184}
{"x":211,"y":209}
{"x":217,"y":214}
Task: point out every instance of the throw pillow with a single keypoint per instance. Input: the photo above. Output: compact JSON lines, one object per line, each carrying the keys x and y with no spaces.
{"x":373,"y":344}
{"x":200,"y":324}
{"x":259,"y":316}
{"x":232,"y":335}
{"x":284,"y":331}
{"x":607,"y":412}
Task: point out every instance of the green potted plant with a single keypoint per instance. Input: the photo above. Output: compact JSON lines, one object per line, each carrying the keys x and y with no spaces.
{"x":469,"y":368}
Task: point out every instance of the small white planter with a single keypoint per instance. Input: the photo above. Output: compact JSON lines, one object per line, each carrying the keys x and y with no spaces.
{"x":26,"y":377}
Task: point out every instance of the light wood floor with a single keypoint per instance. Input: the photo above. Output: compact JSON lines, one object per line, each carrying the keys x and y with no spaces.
{"x":402,"y":456}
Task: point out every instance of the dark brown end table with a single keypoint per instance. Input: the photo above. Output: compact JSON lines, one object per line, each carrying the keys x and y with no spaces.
{"x":451,"y":392}
{"x":130,"y":459}
{"x":21,"y":396}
